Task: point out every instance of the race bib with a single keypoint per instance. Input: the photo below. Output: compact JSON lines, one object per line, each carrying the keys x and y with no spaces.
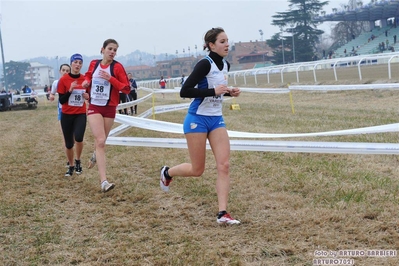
{"x":76,"y":98}
{"x":100,"y":88}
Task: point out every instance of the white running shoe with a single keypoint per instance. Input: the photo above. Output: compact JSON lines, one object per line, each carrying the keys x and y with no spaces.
{"x":227,"y":219}
{"x":105,"y":186}
{"x":163,"y":181}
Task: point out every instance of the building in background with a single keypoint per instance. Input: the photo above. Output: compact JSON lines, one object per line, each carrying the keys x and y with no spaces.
{"x":247,"y":55}
{"x":242,"y":55}
{"x":140,"y":72}
{"x":39,"y":75}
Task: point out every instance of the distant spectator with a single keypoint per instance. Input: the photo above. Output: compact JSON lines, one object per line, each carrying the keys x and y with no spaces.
{"x":394,"y":39}
{"x":33,"y":98}
{"x":26,"y":89}
{"x":123,"y":98}
{"x":162,"y":84}
{"x":133,"y":92}
{"x":47,"y":91}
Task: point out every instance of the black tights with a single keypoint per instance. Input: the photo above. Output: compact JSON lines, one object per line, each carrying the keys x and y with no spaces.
{"x":73,"y":128}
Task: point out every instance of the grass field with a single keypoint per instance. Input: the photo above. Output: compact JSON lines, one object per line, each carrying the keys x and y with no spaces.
{"x":290,"y":204}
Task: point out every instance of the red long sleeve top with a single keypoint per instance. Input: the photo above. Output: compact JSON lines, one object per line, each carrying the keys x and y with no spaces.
{"x":70,"y":101}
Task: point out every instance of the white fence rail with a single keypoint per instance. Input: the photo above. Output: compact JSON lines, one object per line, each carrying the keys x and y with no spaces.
{"x":329,"y":64}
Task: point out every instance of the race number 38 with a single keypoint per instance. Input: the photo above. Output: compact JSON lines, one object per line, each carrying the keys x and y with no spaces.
{"x":99,"y":88}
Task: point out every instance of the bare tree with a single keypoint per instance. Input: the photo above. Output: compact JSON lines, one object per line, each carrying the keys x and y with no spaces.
{"x":346,"y":31}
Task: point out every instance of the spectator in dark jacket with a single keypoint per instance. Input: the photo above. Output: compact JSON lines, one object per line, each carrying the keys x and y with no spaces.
{"x":133,"y":92}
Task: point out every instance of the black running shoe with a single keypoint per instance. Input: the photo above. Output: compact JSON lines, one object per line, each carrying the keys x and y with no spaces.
{"x":70,"y":171}
{"x":78,"y":167}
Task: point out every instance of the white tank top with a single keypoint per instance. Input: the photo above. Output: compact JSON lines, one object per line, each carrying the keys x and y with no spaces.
{"x":100,"y":88}
{"x":210,"y":106}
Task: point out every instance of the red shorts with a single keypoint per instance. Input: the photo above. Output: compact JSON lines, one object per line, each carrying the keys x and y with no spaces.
{"x":105,"y":111}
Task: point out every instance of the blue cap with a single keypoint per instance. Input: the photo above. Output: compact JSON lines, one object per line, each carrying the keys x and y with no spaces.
{"x":76,"y":57}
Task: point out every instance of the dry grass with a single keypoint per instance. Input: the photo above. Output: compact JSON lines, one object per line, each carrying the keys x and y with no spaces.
{"x":290,"y":204}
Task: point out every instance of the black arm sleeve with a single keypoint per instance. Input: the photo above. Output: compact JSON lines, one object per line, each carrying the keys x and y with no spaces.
{"x":200,"y":70}
{"x":228,"y":68}
{"x":63,"y":98}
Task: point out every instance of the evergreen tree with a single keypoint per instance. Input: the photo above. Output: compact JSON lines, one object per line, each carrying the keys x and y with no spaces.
{"x":302,"y":33}
{"x":15,"y":73}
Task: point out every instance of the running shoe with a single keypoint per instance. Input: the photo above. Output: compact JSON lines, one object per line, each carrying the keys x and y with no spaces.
{"x":78,"y":167}
{"x":225,"y":218}
{"x":105,"y":186}
{"x":164,"y":182}
{"x":92,"y":161}
{"x":67,"y":165}
{"x":70,"y":171}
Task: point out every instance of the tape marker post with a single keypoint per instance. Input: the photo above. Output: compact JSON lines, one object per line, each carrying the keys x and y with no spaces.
{"x":153,"y":106}
{"x":291,"y":101}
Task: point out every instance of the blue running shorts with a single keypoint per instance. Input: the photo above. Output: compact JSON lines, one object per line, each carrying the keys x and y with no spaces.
{"x":202,"y":124}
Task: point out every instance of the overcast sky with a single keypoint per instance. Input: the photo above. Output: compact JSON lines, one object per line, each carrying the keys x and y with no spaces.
{"x":60,"y":28}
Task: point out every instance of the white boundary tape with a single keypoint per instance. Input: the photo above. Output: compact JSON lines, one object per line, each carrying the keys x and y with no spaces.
{"x":131,"y":103}
{"x":264,"y":90}
{"x":271,"y":146}
{"x":169,"y":127}
{"x":384,"y":86}
{"x":257,"y":145}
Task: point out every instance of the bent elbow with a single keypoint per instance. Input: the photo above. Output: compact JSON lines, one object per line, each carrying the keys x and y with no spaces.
{"x":183,"y":93}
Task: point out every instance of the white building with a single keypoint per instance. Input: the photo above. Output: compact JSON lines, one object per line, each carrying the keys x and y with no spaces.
{"x":39,"y":75}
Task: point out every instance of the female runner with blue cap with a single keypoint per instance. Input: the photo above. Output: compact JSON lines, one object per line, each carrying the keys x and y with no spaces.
{"x":72,"y":97}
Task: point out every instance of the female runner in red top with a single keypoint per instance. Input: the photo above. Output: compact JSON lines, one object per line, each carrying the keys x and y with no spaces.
{"x":105,"y":79}
{"x":72,"y":97}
